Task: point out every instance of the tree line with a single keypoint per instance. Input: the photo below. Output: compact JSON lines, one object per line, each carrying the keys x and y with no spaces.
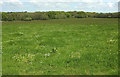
{"x":28,"y":16}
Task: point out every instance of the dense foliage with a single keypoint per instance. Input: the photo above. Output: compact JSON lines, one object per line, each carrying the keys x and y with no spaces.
{"x":28,"y":16}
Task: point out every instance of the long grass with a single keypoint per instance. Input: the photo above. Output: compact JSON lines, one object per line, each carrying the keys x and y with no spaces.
{"x":60,"y":47}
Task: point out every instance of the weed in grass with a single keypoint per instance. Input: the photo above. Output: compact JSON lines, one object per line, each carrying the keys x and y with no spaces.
{"x":60,"y":47}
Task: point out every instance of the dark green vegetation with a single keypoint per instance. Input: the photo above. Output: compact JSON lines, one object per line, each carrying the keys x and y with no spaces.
{"x":27,"y":16}
{"x":85,"y":46}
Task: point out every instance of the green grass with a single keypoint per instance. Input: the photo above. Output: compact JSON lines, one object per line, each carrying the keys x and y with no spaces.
{"x":60,"y":47}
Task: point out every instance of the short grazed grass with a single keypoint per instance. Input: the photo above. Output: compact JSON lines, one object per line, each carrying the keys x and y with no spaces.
{"x":60,"y":47}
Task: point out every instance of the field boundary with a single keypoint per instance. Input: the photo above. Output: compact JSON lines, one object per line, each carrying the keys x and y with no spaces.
{"x":0,"y":45}
{"x":119,"y":39}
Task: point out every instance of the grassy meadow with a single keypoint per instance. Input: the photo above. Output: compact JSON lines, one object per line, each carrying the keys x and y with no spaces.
{"x":85,"y":46}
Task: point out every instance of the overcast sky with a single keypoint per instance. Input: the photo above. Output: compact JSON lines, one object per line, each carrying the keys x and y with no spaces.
{"x":59,"y":5}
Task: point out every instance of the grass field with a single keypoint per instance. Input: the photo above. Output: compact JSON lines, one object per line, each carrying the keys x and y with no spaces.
{"x":60,"y":47}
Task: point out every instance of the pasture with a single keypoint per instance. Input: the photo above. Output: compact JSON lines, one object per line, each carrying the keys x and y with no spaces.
{"x":85,"y":46}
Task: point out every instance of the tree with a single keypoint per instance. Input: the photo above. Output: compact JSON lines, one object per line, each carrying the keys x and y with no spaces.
{"x":81,"y":14}
{"x":10,"y":16}
{"x":52,"y":14}
{"x":4,"y":16}
{"x":60,"y":16}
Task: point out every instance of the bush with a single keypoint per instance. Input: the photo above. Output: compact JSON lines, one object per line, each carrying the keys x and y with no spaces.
{"x":4,"y":17}
{"x":60,"y":16}
{"x":10,"y":19}
{"x":44,"y":17}
{"x":28,"y":19}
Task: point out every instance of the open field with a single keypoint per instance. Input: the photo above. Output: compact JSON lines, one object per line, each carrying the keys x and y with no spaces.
{"x":60,"y":47}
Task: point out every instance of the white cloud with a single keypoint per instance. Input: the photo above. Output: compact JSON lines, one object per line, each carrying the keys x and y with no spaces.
{"x":62,"y":5}
{"x":73,"y":1}
{"x":52,"y":5}
{"x":110,"y":4}
{"x":117,"y":0}
{"x":95,"y":5}
{"x":11,"y":5}
{"x":14,"y":2}
{"x":1,"y":2}
{"x":1,"y":6}
{"x":35,"y":1}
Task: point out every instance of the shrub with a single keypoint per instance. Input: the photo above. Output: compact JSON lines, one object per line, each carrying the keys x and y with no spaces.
{"x":10,"y":19}
{"x":28,"y":19}
{"x":60,"y":16}
{"x":44,"y":17}
{"x":4,"y":17}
